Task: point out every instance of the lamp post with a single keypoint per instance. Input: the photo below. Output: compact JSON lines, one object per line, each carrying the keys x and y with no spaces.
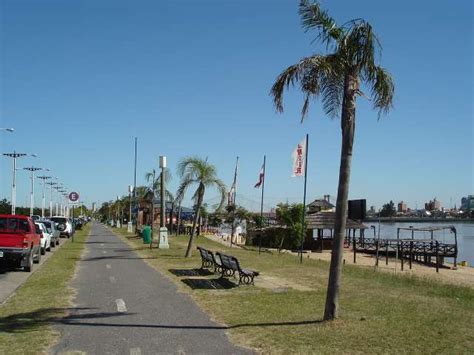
{"x":11,"y":130}
{"x":163,"y":243}
{"x":130,"y":223}
{"x":14,"y":157}
{"x":51,"y":185}
{"x":43,"y":202}
{"x":32,"y":170}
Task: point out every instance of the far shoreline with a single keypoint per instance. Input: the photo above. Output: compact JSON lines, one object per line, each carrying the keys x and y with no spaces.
{"x":419,"y":220}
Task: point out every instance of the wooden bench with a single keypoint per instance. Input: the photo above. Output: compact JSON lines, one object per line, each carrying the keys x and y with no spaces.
{"x":230,"y":265}
{"x":208,"y":260}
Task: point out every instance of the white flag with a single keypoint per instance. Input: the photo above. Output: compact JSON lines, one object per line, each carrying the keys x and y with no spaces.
{"x":299,"y":159}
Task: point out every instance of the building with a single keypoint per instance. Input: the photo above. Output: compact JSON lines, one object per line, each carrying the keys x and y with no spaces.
{"x":320,"y":205}
{"x":402,"y":207}
{"x":434,"y":205}
{"x":467,"y":204}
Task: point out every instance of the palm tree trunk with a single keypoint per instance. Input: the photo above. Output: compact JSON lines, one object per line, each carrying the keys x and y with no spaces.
{"x":195,"y":221}
{"x":348,"y":126}
{"x":179,"y":219}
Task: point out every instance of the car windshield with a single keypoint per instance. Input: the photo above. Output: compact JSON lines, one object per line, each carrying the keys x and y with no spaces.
{"x":14,"y":225}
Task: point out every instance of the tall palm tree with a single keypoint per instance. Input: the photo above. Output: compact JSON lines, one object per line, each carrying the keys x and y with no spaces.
{"x":336,"y":78}
{"x":194,"y":170}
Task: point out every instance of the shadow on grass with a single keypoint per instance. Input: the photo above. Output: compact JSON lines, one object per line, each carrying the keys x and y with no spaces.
{"x":191,"y":272}
{"x":208,"y":284}
{"x":31,"y":321}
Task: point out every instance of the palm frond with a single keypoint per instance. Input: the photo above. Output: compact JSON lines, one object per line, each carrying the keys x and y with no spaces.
{"x":383,"y":90}
{"x":313,"y":17}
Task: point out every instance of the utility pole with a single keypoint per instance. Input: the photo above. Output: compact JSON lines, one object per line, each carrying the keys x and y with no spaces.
{"x":32,"y":169}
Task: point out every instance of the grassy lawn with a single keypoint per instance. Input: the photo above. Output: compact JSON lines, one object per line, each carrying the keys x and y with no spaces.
{"x":26,"y":318}
{"x":381,"y":312}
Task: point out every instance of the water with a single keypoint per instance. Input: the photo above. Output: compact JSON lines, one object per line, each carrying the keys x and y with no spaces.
{"x":465,"y":234}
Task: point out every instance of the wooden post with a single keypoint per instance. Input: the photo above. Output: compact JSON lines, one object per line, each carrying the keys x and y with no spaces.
{"x":376,"y":253}
{"x":386,"y":253}
{"x":354,"y":248}
{"x":437,"y":256}
{"x":401,"y":256}
{"x":411,"y":253}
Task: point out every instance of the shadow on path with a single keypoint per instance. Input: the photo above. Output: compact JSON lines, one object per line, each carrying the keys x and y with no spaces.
{"x":30,"y":321}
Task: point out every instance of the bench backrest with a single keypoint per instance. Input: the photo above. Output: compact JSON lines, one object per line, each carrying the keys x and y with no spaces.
{"x":229,"y":262}
{"x":206,"y":254}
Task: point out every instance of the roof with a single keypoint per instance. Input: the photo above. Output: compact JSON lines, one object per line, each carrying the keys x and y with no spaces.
{"x":427,"y":228}
{"x":321,"y":203}
{"x":326,"y":220}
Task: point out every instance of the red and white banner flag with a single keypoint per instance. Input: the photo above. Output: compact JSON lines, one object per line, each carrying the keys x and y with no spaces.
{"x":299,"y":159}
{"x":261,"y":176}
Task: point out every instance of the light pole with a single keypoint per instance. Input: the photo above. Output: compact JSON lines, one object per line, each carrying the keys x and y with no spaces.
{"x":163,"y":243}
{"x":130,"y":223}
{"x":43,"y":202}
{"x":51,"y":185}
{"x":14,"y":157}
{"x":7,"y":129}
{"x":32,"y":169}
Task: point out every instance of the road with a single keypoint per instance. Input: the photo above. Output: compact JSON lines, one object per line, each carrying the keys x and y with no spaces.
{"x":10,"y":280}
{"x":123,"y":306}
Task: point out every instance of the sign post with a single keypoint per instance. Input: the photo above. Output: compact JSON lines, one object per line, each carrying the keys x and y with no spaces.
{"x":73,"y":197}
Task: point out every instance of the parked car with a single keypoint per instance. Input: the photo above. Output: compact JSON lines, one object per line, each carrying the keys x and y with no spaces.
{"x":35,"y":217}
{"x":63,"y":225}
{"x":45,"y":237}
{"x":19,"y":242}
{"x":51,"y":229}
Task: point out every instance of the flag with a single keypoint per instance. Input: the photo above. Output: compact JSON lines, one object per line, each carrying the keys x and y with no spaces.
{"x":261,"y":176}
{"x":299,"y":159}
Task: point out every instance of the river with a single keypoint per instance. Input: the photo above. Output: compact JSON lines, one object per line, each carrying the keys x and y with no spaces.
{"x":465,"y":234}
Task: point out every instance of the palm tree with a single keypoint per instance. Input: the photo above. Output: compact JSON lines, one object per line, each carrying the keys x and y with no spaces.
{"x":194,"y":170}
{"x":336,"y":78}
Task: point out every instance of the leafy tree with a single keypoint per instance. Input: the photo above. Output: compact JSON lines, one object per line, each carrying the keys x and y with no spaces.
{"x":388,"y":210}
{"x":235,"y":214}
{"x":194,"y":170}
{"x":336,"y":78}
{"x":291,"y":216}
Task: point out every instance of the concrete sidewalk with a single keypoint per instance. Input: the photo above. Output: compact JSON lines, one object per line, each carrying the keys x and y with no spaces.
{"x":123,"y":306}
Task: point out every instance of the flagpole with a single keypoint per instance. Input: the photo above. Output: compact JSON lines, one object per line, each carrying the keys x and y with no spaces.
{"x":303,"y":229}
{"x":261,"y":204}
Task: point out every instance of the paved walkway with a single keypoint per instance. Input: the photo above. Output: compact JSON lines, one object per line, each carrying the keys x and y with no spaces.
{"x":123,"y":306}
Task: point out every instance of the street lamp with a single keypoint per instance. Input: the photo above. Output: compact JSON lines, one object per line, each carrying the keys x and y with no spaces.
{"x":130,"y":223}
{"x":51,"y":185}
{"x":32,"y":169}
{"x":43,"y":203}
{"x":163,"y":243}
{"x":7,"y":129}
{"x":14,"y":157}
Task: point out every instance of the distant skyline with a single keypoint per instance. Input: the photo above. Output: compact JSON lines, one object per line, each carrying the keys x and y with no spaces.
{"x":79,"y":80}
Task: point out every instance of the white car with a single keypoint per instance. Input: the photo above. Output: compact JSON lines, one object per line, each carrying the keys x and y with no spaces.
{"x":63,"y":225}
{"x":45,"y":237}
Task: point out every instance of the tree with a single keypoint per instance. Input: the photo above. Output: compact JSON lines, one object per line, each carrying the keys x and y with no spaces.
{"x":194,"y":170}
{"x":235,"y":214}
{"x":336,"y":78}
{"x":388,"y":210}
{"x":291,"y":216}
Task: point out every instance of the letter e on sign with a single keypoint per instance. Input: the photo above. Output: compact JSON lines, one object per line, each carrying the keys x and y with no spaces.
{"x":73,"y":197}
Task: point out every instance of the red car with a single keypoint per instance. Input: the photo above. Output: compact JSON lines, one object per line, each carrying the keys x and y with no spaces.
{"x":19,"y":242}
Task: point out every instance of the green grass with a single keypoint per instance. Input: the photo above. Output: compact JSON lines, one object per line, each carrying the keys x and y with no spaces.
{"x":26,"y":319}
{"x":380,"y":312}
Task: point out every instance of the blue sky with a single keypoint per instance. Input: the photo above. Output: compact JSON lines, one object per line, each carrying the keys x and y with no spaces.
{"x":80,"y":79}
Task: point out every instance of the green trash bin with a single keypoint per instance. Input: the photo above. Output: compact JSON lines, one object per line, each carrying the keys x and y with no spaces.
{"x":146,"y":234}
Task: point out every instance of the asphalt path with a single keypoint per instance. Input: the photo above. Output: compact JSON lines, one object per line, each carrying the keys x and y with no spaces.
{"x":11,"y":279}
{"x":123,"y":306}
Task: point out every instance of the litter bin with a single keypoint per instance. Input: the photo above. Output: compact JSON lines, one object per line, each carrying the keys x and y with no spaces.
{"x":146,"y":234}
